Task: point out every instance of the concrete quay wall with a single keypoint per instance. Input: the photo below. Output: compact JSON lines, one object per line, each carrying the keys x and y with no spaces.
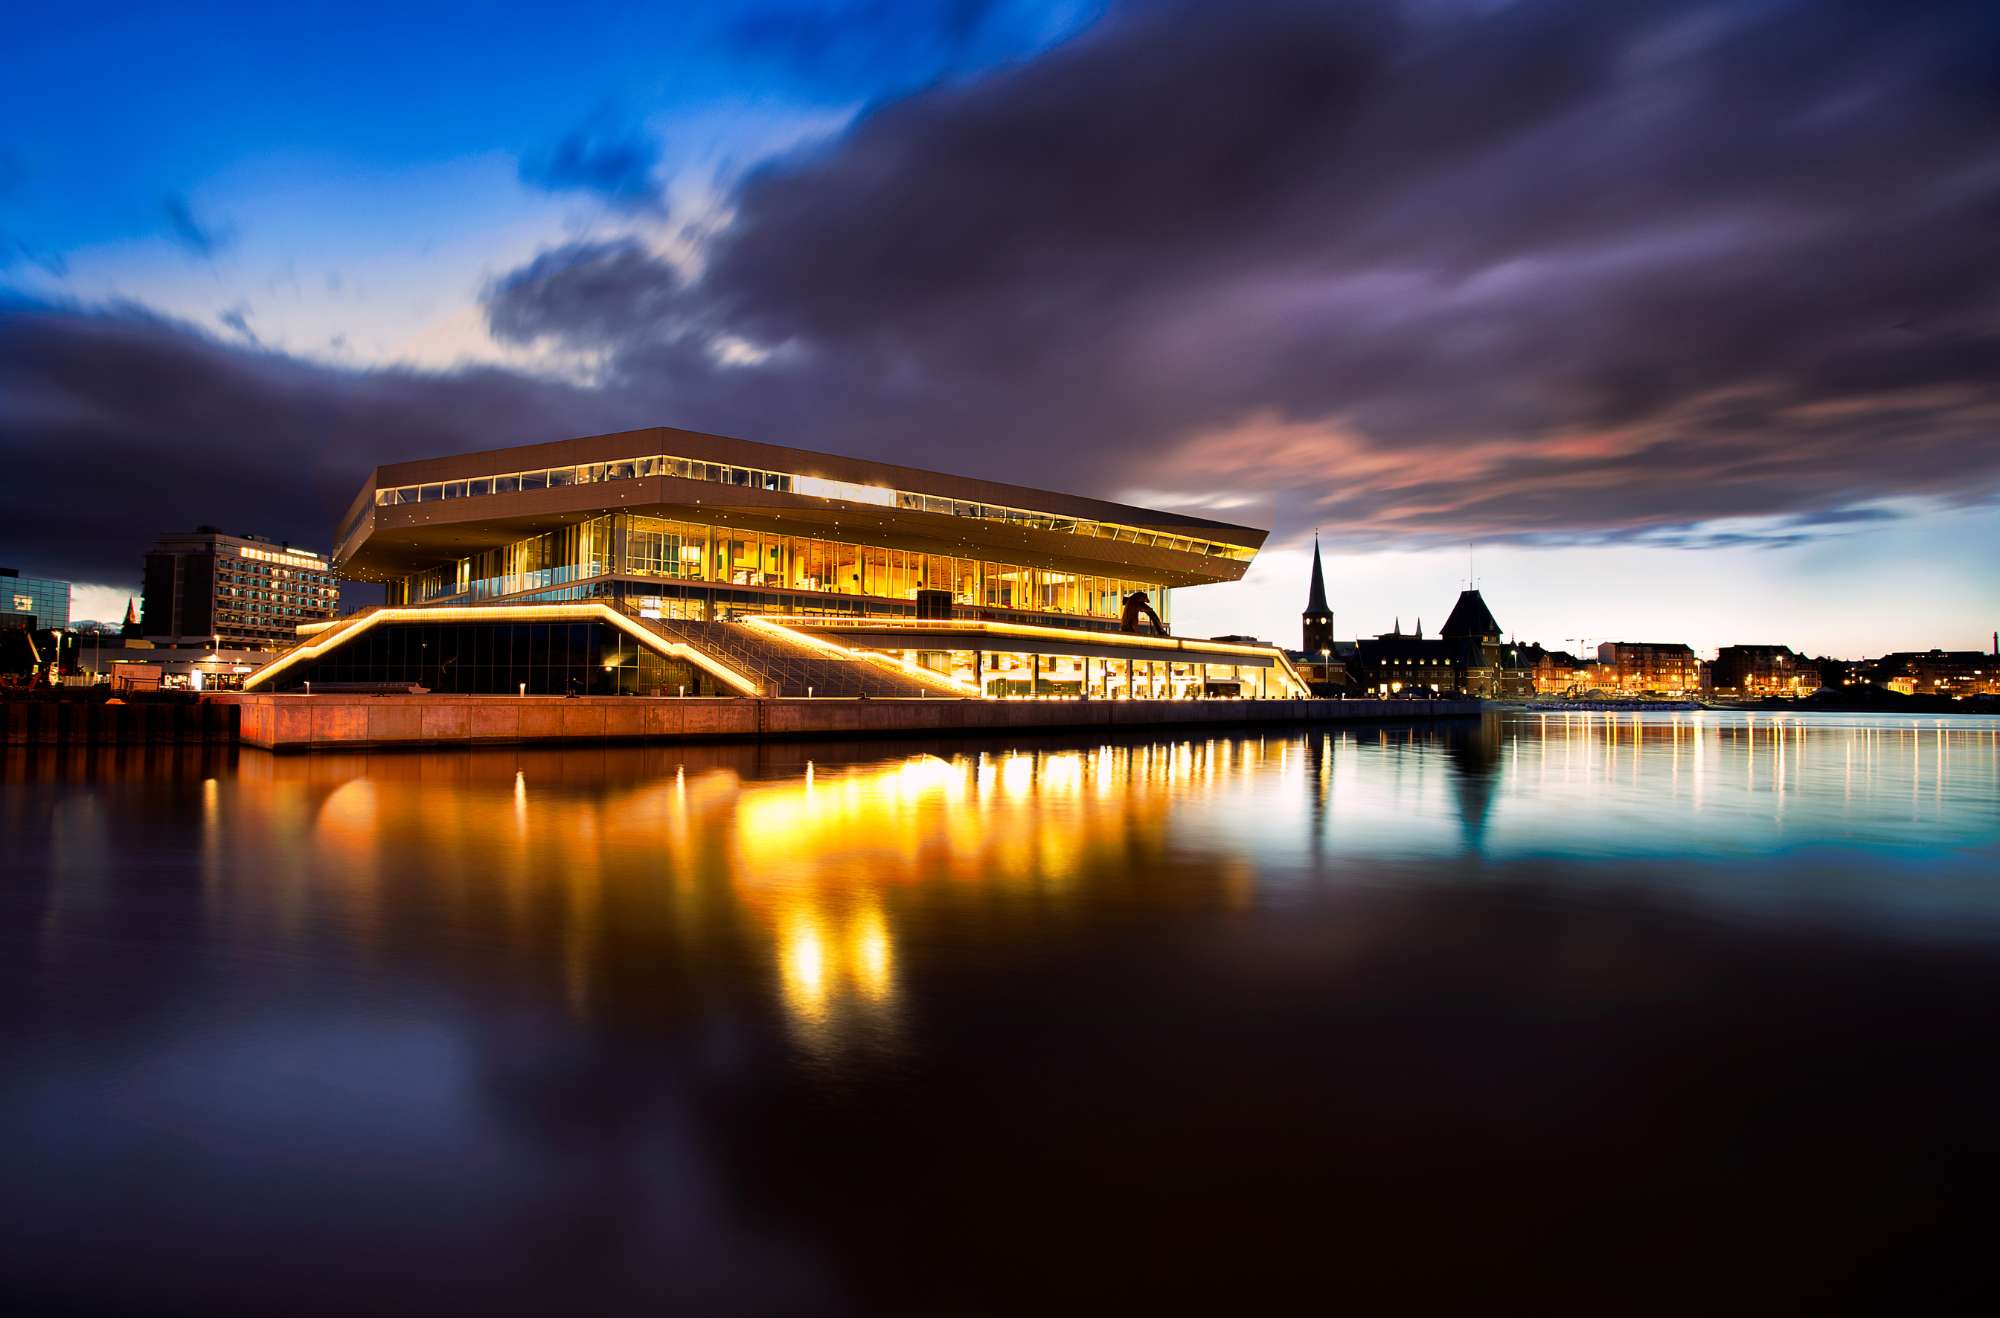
{"x":338,"y":722}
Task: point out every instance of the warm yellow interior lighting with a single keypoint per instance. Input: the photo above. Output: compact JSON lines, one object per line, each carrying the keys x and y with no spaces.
{"x":896,"y":662}
{"x":580,"y":612}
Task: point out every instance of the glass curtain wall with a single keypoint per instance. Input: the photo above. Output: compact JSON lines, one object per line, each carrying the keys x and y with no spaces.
{"x":633,"y":545}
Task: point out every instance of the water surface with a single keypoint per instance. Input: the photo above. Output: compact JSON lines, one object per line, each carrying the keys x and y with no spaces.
{"x":1611,"y":1010}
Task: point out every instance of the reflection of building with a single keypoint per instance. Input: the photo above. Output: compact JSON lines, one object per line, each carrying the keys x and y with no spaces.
{"x":1660,"y":668}
{"x":1940,"y":672}
{"x":34,"y":602}
{"x":1764,"y":670}
{"x":651,"y":560}
{"x":234,"y":592}
{"x":1466,"y":658}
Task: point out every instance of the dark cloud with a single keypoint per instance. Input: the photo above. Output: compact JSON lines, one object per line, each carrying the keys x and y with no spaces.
{"x":237,"y":320}
{"x":607,"y":156}
{"x":1559,"y":271}
{"x":597,"y":294}
{"x":115,"y":426}
{"x":198,"y":236}
{"x":1424,"y":270}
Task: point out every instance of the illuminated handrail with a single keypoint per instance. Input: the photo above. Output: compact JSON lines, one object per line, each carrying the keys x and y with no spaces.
{"x":819,"y":622}
{"x":582,"y":612}
{"x":895,"y":663}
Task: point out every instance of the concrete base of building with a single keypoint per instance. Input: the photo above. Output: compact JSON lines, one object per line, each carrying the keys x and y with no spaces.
{"x":353,"y":722}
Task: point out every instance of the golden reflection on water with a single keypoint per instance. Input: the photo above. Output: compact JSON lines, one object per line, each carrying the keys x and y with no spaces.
{"x":822,"y":878}
{"x":824,"y":860}
{"x":652,"y":874}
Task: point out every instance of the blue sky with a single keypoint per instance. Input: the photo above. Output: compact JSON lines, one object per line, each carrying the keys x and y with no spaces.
{"x":348,"y":176}
{"x":1685,"y":318}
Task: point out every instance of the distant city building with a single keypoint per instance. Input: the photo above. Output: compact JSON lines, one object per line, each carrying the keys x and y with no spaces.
{"x":1560,"y":673}
{"x":1316,"y":623}
{"x":1939,"y":672}
{"x":1321,"y":660}
{"x":1656,"y":667}
{"x":1764,"y":670}
{"x":1466,"y":658}
{"x":233,"y":592}
{"x":36,"y":602}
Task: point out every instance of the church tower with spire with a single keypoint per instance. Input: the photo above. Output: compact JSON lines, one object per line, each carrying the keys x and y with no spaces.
{"x":1317,"y":620}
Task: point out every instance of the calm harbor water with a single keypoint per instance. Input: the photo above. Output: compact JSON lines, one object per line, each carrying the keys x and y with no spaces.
{"x":1636,"y":1012}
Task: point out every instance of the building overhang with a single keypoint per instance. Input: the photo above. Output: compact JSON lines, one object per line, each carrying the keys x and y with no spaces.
{"x":380,"y":541}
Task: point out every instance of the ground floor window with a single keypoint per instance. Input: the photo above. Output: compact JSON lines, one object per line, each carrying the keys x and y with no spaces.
{"x":504,"y":658}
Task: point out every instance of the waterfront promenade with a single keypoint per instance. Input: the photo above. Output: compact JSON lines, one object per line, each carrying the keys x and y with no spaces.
{"x":342,"y":722}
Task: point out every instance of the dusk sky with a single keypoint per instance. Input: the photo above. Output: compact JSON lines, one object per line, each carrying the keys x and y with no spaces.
{"x":1685,"y":315}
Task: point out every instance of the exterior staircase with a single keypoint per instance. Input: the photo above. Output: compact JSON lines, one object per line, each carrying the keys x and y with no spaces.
{"x":782,"y":666}
{"x":777,"y":662}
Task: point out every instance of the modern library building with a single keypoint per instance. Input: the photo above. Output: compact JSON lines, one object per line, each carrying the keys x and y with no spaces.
{"x":672,"y":560}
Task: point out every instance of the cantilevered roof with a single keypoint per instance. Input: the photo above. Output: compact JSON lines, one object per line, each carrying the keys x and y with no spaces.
{"x":848,"y":499}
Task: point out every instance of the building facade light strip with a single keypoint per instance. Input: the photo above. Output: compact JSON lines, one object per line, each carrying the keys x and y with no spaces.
{"x":922,"y":625}
{"x":652,"y":639}
{"x":586,"y":612}
{"x":285,"y":557}
{"x":659,"y":465}
{"x":893,"y":662}
{"x":1275,"y":657}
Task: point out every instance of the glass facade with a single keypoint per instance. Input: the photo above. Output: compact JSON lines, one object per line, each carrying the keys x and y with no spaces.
{"x":237,"y":592}
{"x":46,"y":601}
{"x":261,"y":596}
{"x":500,"y":658}
{"x":625,"y":554}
